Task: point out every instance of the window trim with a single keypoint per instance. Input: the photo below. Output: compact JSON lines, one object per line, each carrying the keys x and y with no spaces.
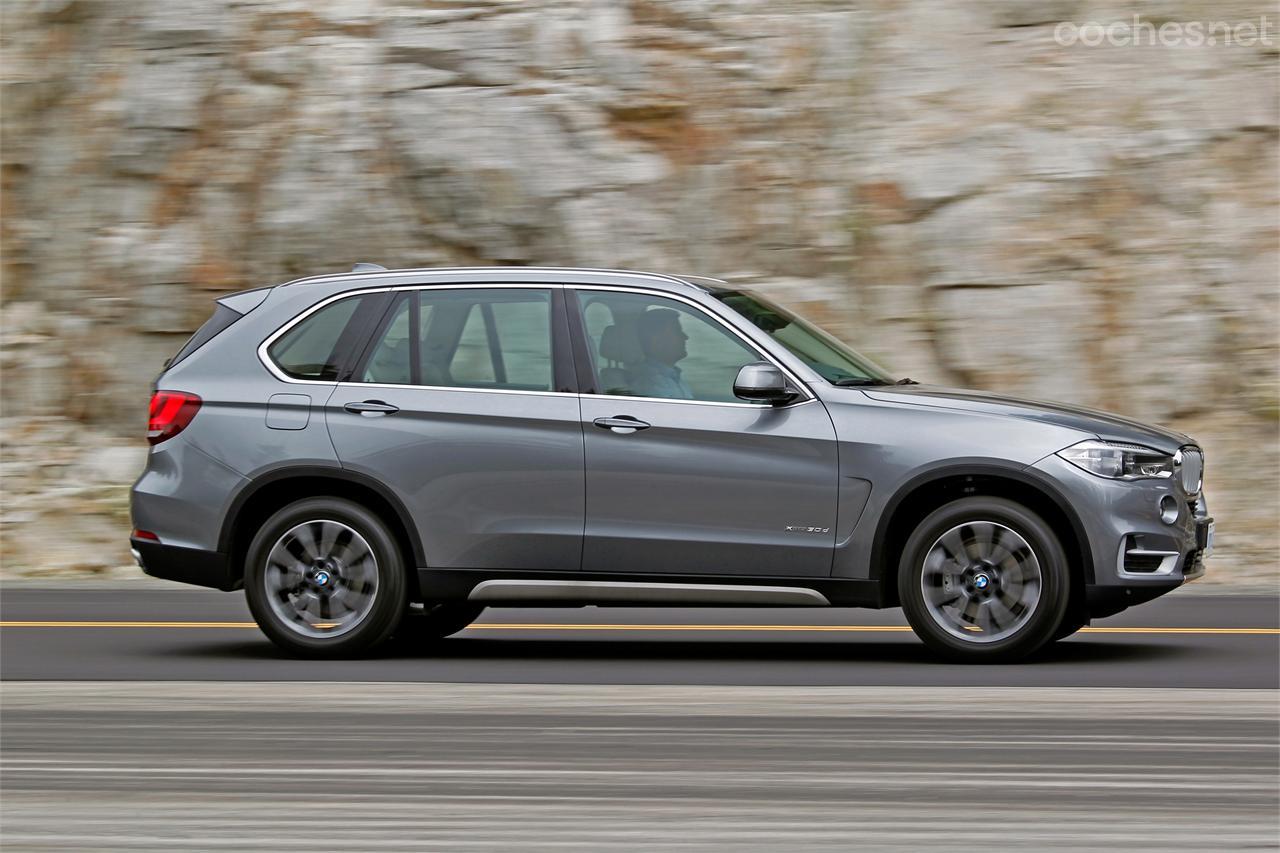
{"x":586,"y":362}
{"x":344,"y":346}
{"x":571,"y":327}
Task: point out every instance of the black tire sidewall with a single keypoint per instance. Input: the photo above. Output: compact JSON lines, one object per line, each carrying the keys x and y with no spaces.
{"x":438,"y":620}
{"x":1055,"y":580}
{"x":389,"y":601}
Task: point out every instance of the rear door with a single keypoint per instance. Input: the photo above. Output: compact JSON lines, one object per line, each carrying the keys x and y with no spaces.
{"x":682,"y":477}
{"x":463,"y":405}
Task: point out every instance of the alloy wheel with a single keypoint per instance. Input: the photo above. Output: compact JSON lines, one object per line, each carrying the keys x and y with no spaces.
{"x":321,"y":578}
{"x":981,"y":581}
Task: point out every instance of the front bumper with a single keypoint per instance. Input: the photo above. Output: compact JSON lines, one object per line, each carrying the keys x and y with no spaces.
{"x":1135,"y":555}
{"x":185,"y":565}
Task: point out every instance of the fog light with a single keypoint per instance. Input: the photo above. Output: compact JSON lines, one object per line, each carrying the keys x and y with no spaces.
{"x":1168,"y":505}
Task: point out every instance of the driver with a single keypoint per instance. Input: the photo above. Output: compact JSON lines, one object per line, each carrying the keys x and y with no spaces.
{"x":662,"y":340}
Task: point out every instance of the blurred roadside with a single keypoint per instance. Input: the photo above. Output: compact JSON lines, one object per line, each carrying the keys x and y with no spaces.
{"x":947,"y":185}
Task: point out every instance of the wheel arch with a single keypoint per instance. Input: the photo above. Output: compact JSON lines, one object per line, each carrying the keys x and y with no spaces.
{"x":927,"y":491}
{"x":270,"y":491}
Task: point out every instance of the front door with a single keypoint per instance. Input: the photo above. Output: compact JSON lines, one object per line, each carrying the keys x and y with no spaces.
{"x":463,"y":407}
{"x":681,"y":476}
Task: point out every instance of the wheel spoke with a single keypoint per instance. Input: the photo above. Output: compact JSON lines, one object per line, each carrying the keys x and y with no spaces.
{"x":329,"y":533}
{"x":305,"y":536}
{"x":954,"y":546}
{"x":982,"y":536}
{"x":997,"y":540}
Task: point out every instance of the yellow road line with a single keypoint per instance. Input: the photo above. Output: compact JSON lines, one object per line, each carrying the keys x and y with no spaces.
{"x":120,"y":624}
{"x":553,"y":626}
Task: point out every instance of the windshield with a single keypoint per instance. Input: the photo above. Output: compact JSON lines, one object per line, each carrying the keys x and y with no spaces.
{"x":836,"y":363}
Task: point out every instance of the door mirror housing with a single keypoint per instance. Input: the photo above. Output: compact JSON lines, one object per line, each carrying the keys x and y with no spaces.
{"x":763,"y":382}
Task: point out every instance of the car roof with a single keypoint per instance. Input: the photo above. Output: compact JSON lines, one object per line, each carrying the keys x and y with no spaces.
{"x":364,"y":276}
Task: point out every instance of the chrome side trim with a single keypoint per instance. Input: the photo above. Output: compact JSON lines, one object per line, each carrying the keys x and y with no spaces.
{"x":654,"y":593}
{"x":453,"y":388}
{"x":762,"y":406}
{"x":350,"y":294}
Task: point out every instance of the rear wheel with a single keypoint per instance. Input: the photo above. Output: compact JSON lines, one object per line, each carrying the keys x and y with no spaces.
{"x":325,"y":578}
{"x":984,"y":580}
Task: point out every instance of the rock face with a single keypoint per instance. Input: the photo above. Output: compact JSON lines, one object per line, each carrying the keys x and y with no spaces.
{"x":942,"y":183}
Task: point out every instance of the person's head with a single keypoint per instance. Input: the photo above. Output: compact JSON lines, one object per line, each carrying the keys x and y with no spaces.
{"x":661,"y":336}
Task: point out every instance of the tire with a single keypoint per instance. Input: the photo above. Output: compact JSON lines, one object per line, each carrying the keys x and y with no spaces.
{"x":1068,"y":627}
{"x":325,"y":578}
{"x":984,"y":580}
{"x":437,"y":621}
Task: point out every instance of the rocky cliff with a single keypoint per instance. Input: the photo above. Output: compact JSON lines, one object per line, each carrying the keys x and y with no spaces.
{"x":945,"y":184}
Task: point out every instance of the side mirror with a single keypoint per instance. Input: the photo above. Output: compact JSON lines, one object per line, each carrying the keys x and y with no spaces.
{"x":763,"y":382}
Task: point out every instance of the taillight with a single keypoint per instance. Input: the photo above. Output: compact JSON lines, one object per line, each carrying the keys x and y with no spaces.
{"x":171,"y":411}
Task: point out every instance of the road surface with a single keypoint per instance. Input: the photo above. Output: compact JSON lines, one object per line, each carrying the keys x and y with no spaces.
{"x":611,"y":729}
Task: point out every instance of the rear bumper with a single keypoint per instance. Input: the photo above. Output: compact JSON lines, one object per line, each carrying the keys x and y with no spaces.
{"x":185,"y":565}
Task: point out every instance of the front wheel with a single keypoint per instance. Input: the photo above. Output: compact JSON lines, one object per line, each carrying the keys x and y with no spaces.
{"x":324,"y":577}
{"x":984,"y":580}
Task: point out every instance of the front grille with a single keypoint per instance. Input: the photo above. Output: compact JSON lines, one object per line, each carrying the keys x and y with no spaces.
{"x":1192,"y":470}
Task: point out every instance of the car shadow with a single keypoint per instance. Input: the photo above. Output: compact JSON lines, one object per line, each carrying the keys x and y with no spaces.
{"x":679,"y":651}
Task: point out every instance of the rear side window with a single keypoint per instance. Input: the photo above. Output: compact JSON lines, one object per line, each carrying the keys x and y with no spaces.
{"x":498,"y":339}
{"x":222,"y":318}
{"x":313,"y":348}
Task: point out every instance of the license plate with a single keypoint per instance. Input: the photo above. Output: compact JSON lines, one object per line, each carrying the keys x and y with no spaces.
{"x":1204,"y":537}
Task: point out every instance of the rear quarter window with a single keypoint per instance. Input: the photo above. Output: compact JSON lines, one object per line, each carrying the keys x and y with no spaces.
{"x":222,"y":318}
{"x":314,"y":348}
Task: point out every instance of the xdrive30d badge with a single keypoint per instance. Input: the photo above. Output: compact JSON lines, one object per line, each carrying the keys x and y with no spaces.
{"x":382,"y":452}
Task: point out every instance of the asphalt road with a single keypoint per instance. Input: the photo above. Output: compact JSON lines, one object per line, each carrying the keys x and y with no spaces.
{"x":361,"y":766}
{"x":609,"y":729}
{"x":1181,"y":640}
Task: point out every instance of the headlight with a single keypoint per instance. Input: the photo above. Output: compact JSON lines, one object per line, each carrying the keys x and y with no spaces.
{"x":1119,"y":461}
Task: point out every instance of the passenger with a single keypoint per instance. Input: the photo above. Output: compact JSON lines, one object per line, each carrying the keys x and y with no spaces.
{"x":662,"y":340}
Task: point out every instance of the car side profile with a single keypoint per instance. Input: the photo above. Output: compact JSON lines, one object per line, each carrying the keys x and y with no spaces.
{"x":391,"y":451}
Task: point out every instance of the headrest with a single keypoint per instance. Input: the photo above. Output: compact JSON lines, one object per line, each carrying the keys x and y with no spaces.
{"x":621,"y":343}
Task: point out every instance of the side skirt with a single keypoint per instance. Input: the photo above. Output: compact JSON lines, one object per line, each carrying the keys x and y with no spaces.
{"x":495,"y":587}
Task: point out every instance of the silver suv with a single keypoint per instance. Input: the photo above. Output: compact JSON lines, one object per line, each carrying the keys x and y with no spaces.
{"x":384,"y":452}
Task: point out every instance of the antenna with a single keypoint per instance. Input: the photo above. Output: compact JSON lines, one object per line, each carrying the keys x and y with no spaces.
{"x":364,"y":267}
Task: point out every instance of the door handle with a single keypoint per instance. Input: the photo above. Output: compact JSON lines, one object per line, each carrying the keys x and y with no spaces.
{"x":621,"y":424}
{"x":371,"y":408}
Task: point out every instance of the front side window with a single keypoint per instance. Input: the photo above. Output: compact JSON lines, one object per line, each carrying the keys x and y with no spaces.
{"x":312,"y":349}
{"x":650,"y":346}
{"x":830,"y":357}
{"x":495,"y":339}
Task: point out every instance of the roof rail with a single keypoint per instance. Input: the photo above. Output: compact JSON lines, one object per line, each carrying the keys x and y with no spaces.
{"x":375,"y":269}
